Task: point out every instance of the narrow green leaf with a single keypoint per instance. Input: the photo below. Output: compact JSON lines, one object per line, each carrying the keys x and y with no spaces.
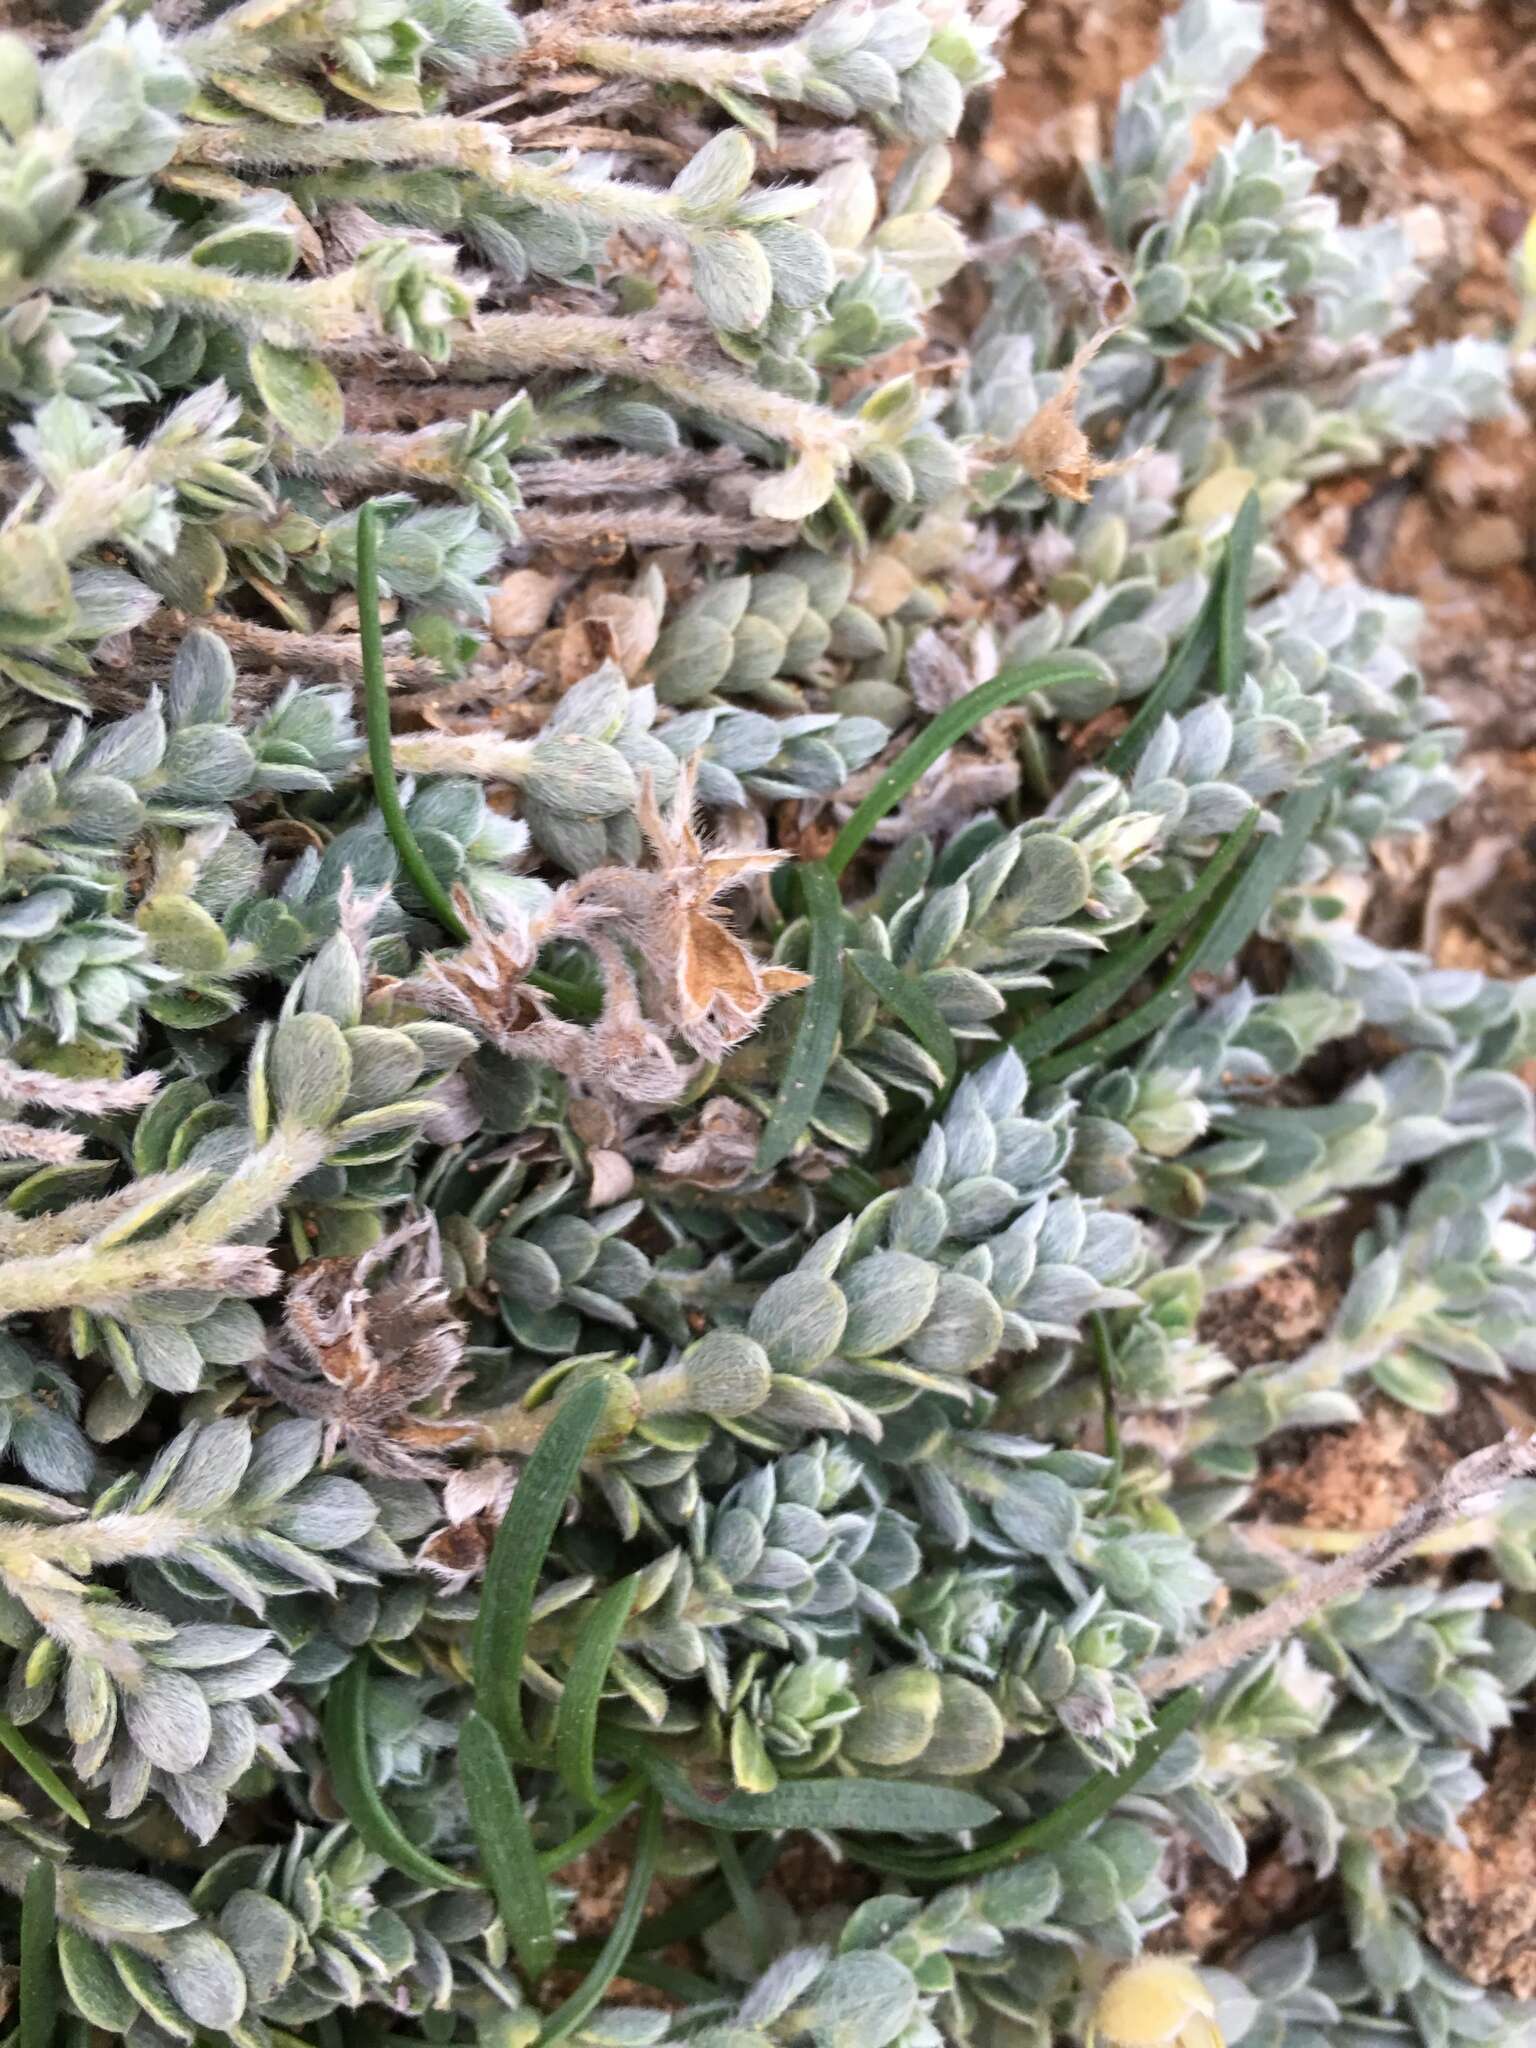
{"x":39,"y":1963}
{"x":905,"y":997}
{"x":936,"y":739}
{"x":1123,"y":969}
{"x":588,"y":1994}
{"x":517,"y":1558}
{"x":1093,"y":1801}
{"x":816,"y":1039}
{"x":1173,"y":688}
{"x":854,"y":1186}
{"x":576,"y":1718}
{"x":1236,"y":919}
{"x":1083,"y":1809}
{"x":351,"y":1769}
{"x":1104,"y":1359}
{"x":744,"y":1898}
{"x":506,"y":1846}
{"x":1217,"y":628}
{"x":704,"y":1907}
{"x":685,"y":1985}
{"x":1241,"y":542}
{"x":573,"y":998}
{"x":381,"y":758}
{"x":870,"y":1804}
{"x":1230,"y":920}
{"x":606,"y":1816}
{"x":42,"y":1773}
{"x":696,"y":1911}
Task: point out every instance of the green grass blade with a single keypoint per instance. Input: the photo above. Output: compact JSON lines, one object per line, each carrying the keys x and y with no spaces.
{"x":682,"y":1984}
{"x":1277,"y":859}
{"x":1229,"y":922}
{"x":708,"y":1905}
{"x":905,"y":997}
{"x":1093,"y":1801}
{"x":854,"y":1186}
{"x":1216,"y":631}
{"x":1173,"y":688}
{"x":899,"y":1807}
{"x":744,"y":1899}
{"x":517,"y":1558}
{"x":351,"y":1769}
{"x":697,"y":1910}
{"x":607,"y":1815}
{"x":588,"y":1995}
{"x":572,"y":998}
{"x":816,"y":1039}
{"x":42,"y":1773}
{"x":1237,"y":568}
{"x":506,"y":1846}
{"x":576,"y":1719}
{"x":1104,"y":1361}
{"x":39,"y":2014}
{"x":1122,"y":970}
{"x":936,"y":739}
{"x":1088,"y":1805}
{"x":381,"y":760}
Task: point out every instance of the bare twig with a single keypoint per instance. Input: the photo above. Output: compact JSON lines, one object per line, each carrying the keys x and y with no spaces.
{"x":338,"y":655}
{"x":1465,"y":1489}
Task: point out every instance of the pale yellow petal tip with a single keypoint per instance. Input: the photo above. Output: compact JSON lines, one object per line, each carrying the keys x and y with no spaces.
{"x":1158,"y":2003}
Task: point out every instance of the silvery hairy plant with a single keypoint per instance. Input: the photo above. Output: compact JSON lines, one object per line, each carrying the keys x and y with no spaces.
{"x":639,"y":752}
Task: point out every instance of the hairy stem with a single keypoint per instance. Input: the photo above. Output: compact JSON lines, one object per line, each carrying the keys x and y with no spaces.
{"x":477,"y":148}
{"x":774,"y":69}
{"x":200,"y":1252}
{"x":655,"y":352}
{"x":322,"y":313}
{"x":482,"y":754}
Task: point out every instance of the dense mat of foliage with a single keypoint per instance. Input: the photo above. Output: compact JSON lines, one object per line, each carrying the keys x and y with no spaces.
{"x":629,"y":1260}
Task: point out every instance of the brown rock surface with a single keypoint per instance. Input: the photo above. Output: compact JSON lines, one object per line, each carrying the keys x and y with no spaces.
{"x":1479,"y":1903}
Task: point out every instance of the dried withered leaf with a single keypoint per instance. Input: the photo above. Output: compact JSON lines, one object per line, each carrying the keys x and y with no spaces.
{"x":701,"y":980}
{"x":1054,"y":448}
{"x":522,"y":602}
{"x":717,"y":1149}
{"x":612,"y":1178}
{"x":623,"y":1057}
{"x":362,"y":1359}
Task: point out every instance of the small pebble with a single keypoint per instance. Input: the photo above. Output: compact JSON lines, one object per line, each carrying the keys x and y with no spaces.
{"x":1485,"y":543}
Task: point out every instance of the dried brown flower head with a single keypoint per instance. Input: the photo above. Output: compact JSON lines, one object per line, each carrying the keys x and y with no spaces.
{"x":363,"y":1359}
{"x":703,"y":982}
{"x":1054,"y":448}
{"x":716,"y":1149}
